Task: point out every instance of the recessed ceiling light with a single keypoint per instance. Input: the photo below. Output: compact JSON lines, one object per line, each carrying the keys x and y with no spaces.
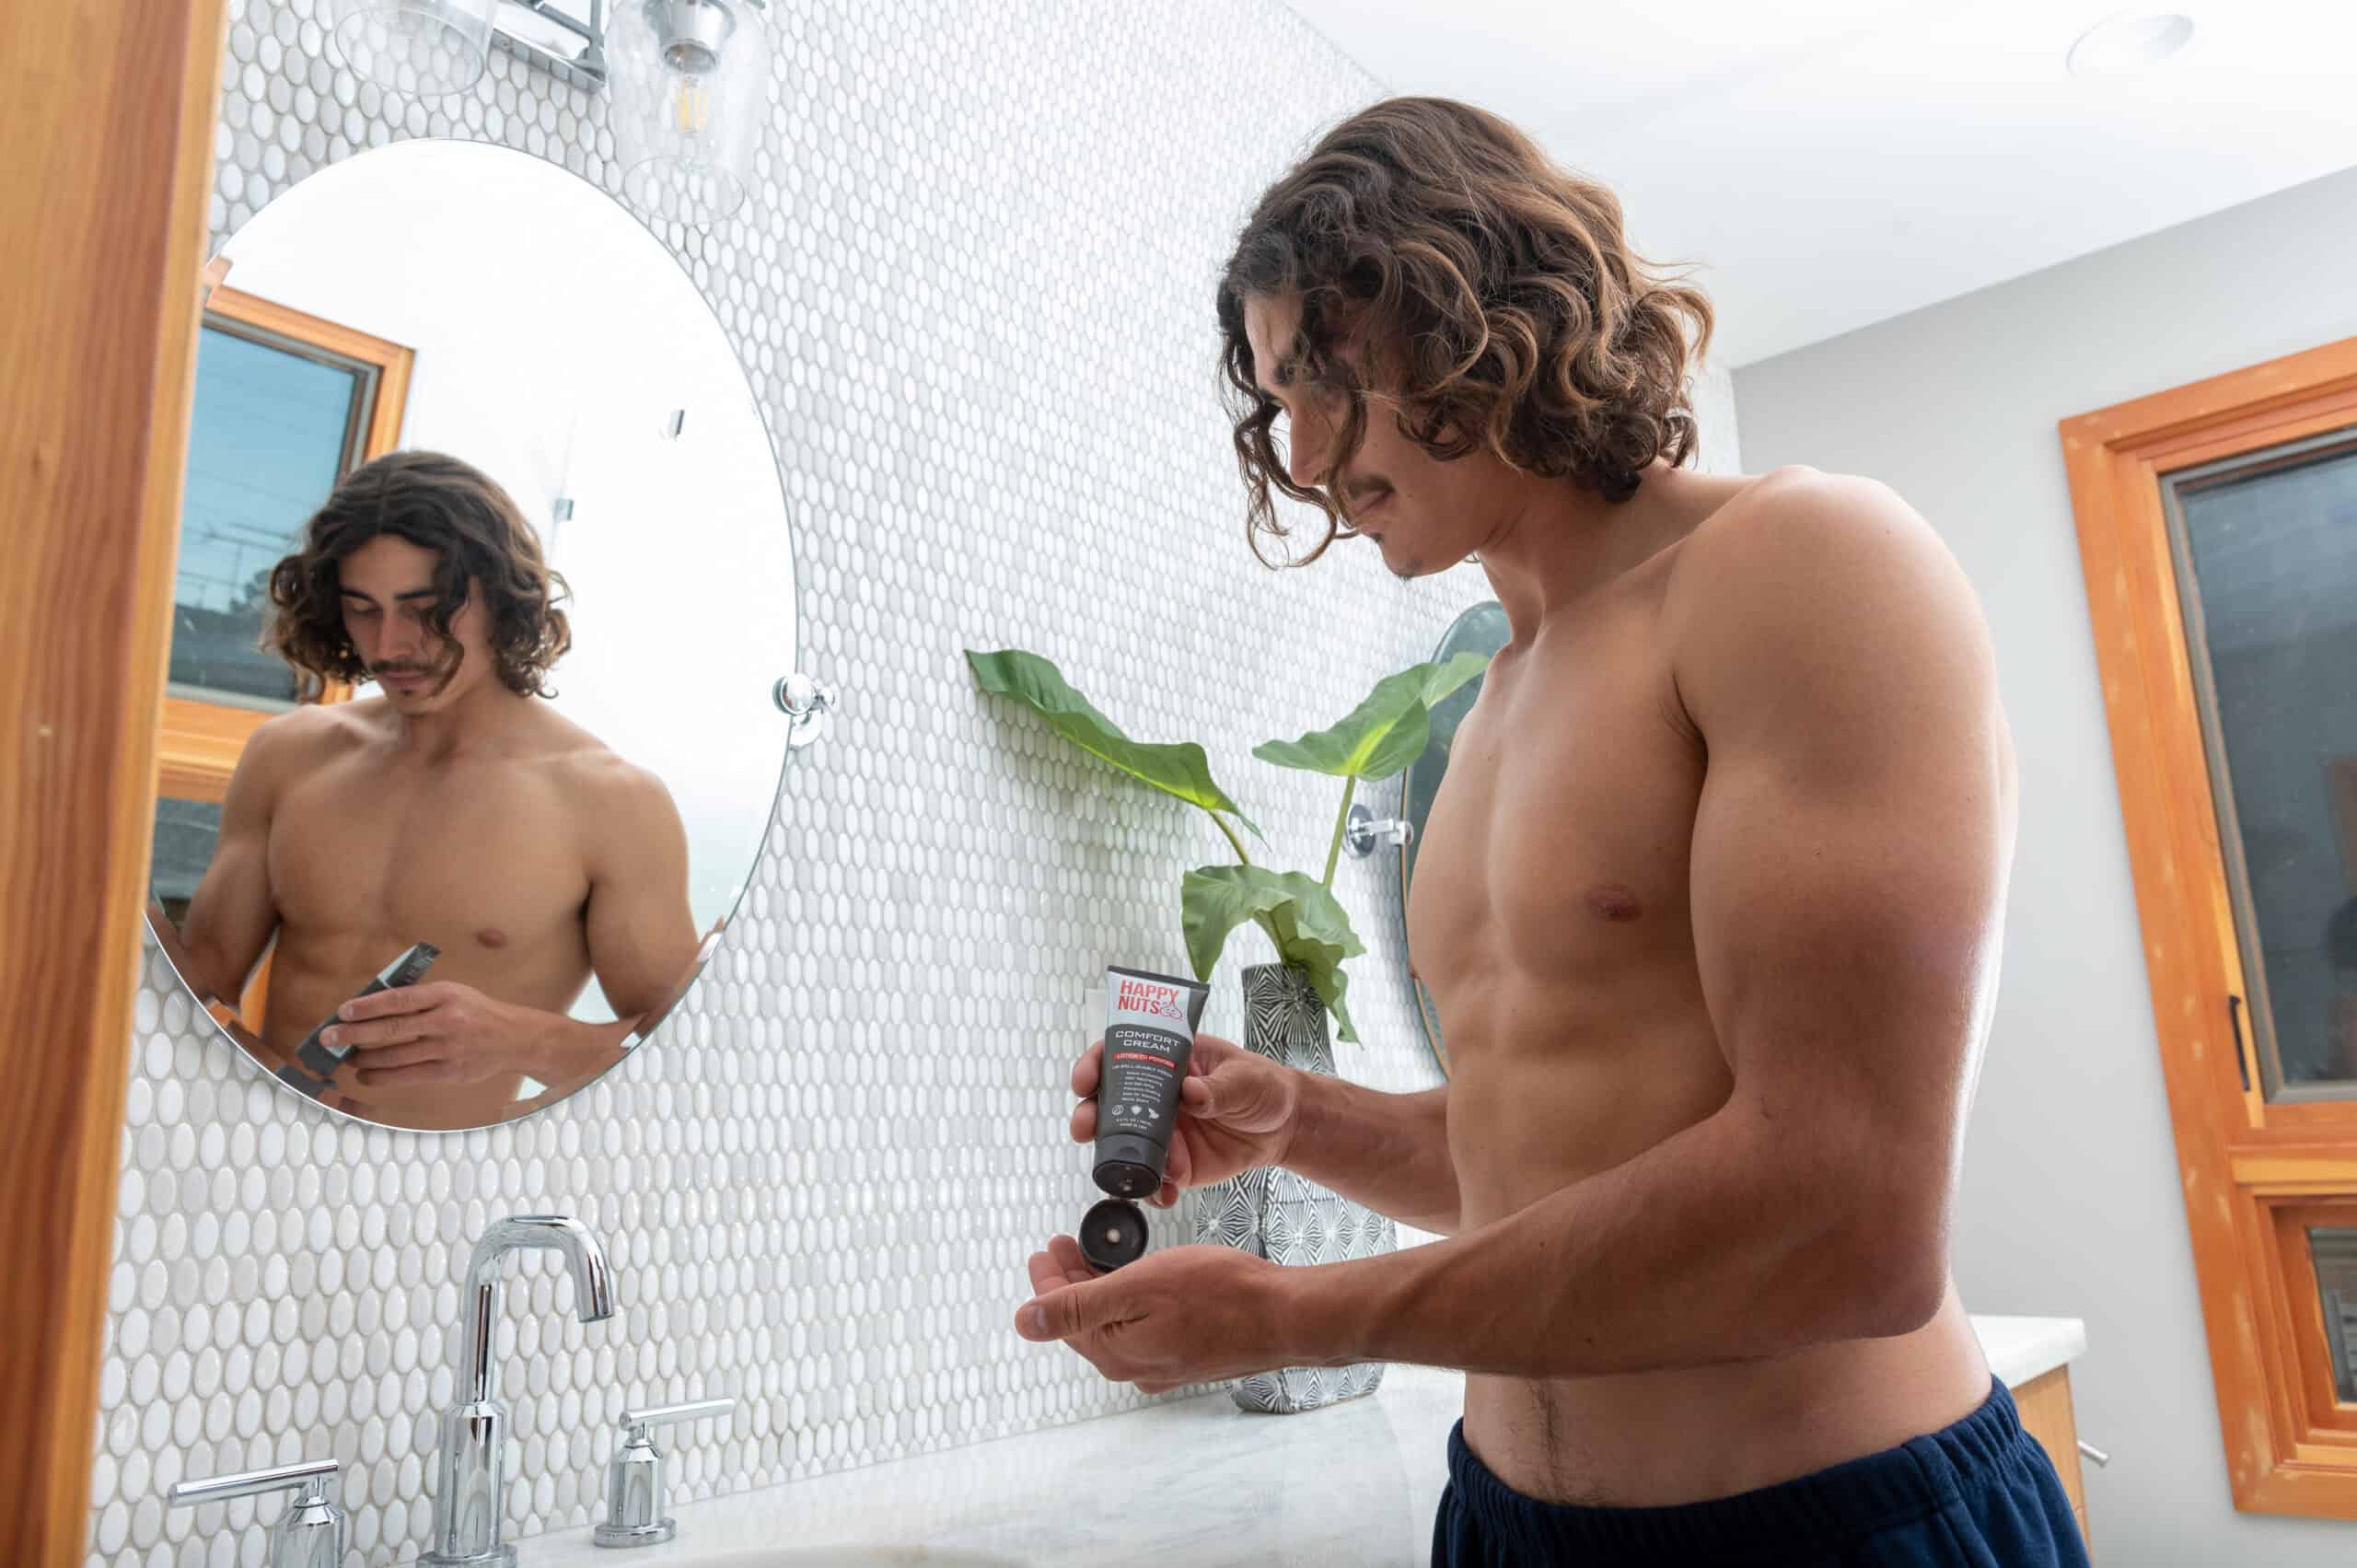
{"x":2129,"y":42}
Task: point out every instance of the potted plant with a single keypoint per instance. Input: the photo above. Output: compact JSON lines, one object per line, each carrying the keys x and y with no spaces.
{"x":1271,"y":1212}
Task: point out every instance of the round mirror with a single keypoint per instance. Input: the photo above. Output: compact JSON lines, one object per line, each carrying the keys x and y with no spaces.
{"x":1480,"y":630}
{"x":484,"y":587}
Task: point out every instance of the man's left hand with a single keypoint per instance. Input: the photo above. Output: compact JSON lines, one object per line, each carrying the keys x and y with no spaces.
{"x":1181,"y":1316}
{"x":437,"y":1032}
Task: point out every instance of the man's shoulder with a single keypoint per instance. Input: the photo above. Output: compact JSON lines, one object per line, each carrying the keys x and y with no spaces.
{"x":1805,"y":571}
{"x":1829,"y":522}
{"x":306,"y":735}
{"x":1798,"y":543}
{"x":597,"y":777}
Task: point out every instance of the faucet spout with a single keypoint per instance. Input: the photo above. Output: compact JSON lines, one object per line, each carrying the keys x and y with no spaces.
{"x":593,"y":1281}
{"x":469,"y":1505}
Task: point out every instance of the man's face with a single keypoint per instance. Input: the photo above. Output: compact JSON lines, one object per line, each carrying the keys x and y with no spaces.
{"x":1424,"y":514}
{"x":386,"y":587}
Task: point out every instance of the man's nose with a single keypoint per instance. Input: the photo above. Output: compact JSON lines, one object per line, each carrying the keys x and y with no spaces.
{"x":1305,"y":458}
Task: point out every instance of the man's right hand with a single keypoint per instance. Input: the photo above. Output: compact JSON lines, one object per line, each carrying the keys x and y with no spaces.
{"x":1237,"y":1110}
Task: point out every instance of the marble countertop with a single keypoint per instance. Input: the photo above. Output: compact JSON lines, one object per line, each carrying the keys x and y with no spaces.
{"x":2022,"y":1348}
{"x":1192,"y":1482}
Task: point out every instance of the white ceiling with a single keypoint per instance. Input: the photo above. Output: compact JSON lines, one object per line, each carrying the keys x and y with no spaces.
{"x":1834,"y":163}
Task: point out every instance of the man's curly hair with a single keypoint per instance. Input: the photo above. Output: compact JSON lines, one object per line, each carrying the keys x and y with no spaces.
{"x":482,"y":543}
{"x":1495,"y":297}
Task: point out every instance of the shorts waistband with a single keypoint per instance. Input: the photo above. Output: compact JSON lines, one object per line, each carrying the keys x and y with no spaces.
{"x":1844,"y":1501}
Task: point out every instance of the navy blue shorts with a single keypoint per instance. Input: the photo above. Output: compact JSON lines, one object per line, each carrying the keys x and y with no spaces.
{"x":1980,"y":1494}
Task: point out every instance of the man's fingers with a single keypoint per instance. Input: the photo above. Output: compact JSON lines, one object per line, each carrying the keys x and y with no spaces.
{"x":1074,"y":1310}
{"x":433,"y":1069}
{"x":384,"y":1058}
{"x":1084,"y":1123}
{"x":386,"y":1003}
{"x":376,"y":1035}
{"x":1178,"y":1164}
{"x":1070,"y":1259}
{"x":1084,"y":1070}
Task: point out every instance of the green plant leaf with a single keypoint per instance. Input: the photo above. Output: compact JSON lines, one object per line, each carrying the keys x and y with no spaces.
{"x":1383,"y":733}
{"x":1181,"y":769}
{"x":1309,"y":925}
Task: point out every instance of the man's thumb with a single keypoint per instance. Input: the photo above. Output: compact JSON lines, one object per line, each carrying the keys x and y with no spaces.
{"x":1068,"y":1310}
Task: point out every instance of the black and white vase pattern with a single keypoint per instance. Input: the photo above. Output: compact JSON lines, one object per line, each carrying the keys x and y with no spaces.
{"x":1273,"y":1214}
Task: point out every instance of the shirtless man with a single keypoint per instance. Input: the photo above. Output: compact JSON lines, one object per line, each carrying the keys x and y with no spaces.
{"x":1710,"y":905}
{"x":457,"y":808}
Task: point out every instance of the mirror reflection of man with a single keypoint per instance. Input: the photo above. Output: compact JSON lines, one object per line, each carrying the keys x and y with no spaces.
{"x":457,"y":808}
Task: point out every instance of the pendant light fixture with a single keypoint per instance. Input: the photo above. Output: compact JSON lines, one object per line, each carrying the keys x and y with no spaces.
{"x":690,"y":85}
{"x":689,"y":80}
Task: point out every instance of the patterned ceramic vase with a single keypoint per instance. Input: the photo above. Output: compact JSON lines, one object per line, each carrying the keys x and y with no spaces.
{"x":1273,"y":1214}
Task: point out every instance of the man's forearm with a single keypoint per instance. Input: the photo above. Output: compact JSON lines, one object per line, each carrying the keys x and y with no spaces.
{"x":1700,"y":1250}
{"x":567,"y":1051}
{"x":1386,"y":1151}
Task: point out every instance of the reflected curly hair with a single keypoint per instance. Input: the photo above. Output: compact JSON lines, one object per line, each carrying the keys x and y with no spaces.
{"x":436,"y":502}
{"x":1495,"y":295}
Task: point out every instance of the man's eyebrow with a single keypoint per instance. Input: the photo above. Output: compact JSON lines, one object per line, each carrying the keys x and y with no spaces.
{"x":404,"y":594}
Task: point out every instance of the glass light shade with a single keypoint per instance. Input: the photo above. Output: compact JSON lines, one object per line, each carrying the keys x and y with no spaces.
{"x":690,"y":85}
{"x":416,"y":48}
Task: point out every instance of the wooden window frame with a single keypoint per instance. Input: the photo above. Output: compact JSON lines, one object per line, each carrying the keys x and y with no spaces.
{"x":198,"y":746}
{"x":2255,"y":1172}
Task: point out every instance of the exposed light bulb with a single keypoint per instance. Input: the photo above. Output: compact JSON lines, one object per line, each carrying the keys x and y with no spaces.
{"x":691,"y":105}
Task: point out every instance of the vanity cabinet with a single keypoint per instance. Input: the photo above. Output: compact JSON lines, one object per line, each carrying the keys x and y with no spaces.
{"x":2045,"y":1404}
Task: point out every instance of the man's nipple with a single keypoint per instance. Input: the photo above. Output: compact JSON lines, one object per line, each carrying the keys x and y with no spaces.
{"x":491,"y":937}
{"x":1612,"y":900}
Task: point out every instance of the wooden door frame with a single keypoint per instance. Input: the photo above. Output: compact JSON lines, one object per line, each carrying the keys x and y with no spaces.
{"x":2245,"y":1161}
{"x":107,"y":110}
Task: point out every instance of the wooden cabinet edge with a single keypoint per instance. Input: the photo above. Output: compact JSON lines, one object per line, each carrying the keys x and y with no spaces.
{"x":2047,"y":1416}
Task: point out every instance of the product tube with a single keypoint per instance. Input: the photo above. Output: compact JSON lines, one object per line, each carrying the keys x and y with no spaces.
{"x":1149,"y":1035}
{"x":314,"y":1063}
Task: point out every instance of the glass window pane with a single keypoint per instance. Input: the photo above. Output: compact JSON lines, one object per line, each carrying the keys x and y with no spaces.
{"x":186,"y":831}
{"x":267,"y":440}
{"x":2334,"y":1252}
{"x":2272,"y":548}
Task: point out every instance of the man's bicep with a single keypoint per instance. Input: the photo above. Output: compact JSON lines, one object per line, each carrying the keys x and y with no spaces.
{"x":231,"y":913}
{"x":641,"y":929}
{"x":1852,"y":840}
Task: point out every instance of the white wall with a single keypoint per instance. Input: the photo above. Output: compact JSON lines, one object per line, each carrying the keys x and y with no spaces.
{"x":2071,"y":1202}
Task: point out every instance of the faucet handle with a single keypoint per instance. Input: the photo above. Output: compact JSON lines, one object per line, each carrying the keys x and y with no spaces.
{"x":308,"y":1535}
{"x":634,"y":1498}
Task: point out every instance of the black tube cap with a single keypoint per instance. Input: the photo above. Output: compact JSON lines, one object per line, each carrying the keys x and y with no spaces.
{"x":1128,"y":1165}
{"x":1112,"y":1233}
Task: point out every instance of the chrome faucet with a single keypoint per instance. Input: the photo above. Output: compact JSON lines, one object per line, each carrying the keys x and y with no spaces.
{"x":308,"y":1535}
{"x":468,"y":1509}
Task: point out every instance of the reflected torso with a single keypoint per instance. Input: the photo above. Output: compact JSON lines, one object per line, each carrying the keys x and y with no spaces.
{"x":372,"y":848}
{"x":1549,"y":917}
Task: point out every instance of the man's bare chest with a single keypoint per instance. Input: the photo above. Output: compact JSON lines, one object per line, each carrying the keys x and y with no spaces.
{"x":1559,"y":845}
{"x":487,"y":856}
